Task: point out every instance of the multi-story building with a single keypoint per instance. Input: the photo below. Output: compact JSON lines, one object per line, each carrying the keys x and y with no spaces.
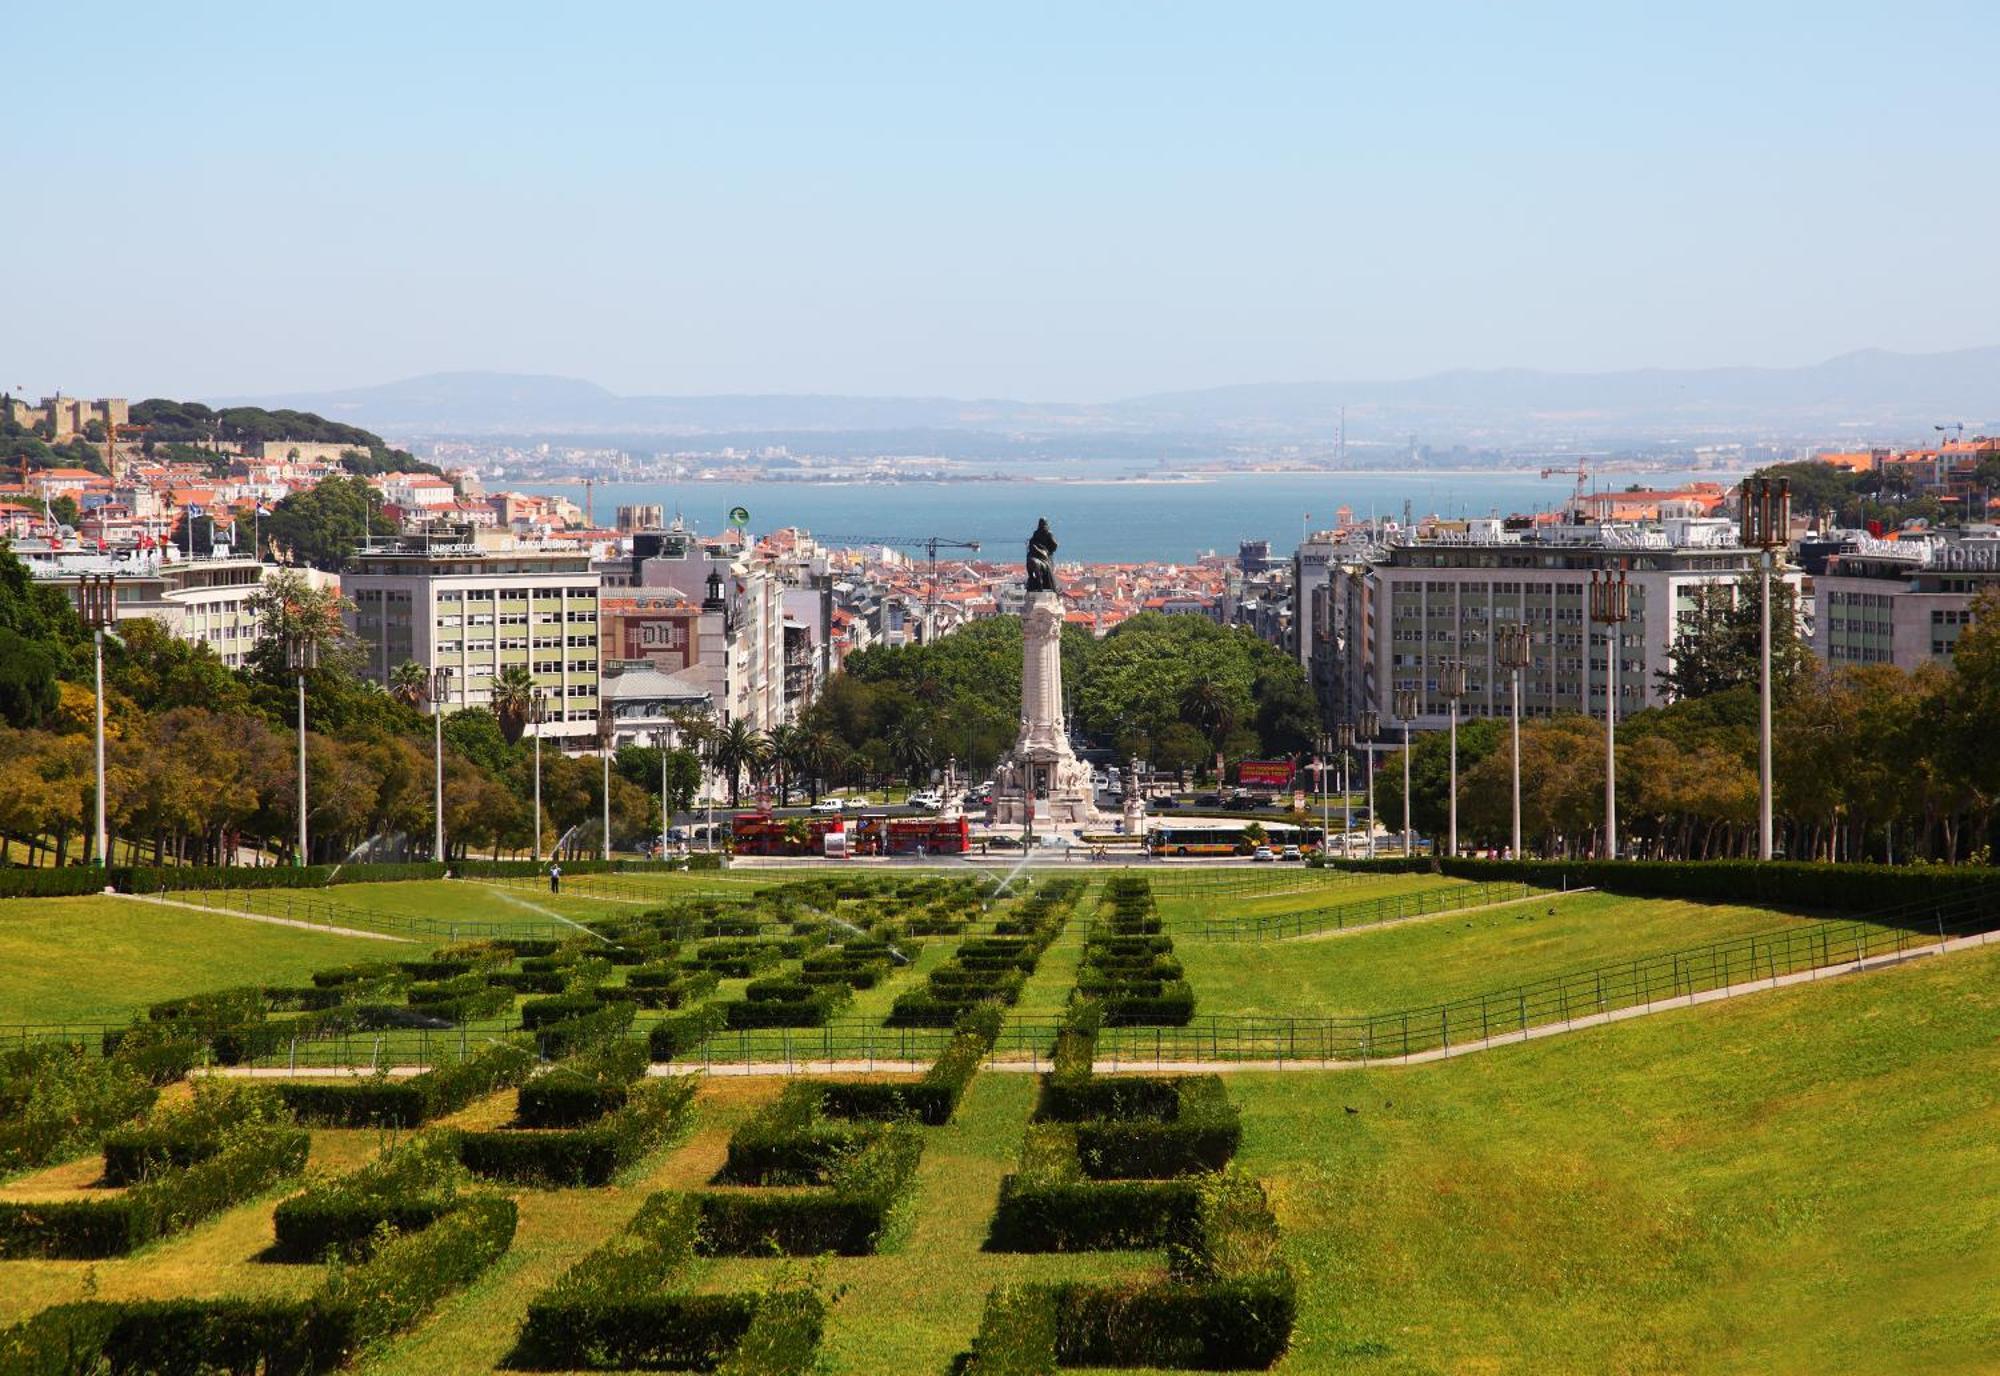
{"x":478,"y":604}
{"x":1445,"y":598}
{"x":1900,"y":602}
{"x":205,"y":600}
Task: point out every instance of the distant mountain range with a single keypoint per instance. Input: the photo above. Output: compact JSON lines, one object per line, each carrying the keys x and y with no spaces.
{"x":1871,"y":395}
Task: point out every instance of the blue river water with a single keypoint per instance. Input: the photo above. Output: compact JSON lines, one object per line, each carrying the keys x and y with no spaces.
{"x":1104,"y":521}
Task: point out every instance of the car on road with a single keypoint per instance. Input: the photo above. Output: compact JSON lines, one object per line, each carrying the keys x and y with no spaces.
{"x":1291,"y":853}
{"x":926,"y":797}
{"x":1263,"y":853}
{"x":830,"y":805}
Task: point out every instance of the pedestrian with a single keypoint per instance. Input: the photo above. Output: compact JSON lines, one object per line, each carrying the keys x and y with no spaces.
{"x":555,"y":878}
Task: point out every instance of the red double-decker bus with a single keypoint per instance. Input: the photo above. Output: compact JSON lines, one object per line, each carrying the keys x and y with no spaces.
{"x":912,"y":836}
{"x":759,"y":833}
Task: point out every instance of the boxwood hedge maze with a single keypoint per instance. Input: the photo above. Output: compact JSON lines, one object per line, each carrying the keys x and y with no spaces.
{"x":453,"y":1090}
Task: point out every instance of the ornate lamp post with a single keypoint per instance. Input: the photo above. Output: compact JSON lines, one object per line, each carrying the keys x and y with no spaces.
{"x":538,"y":712}
{"x":1766,"y":521}
{"x":1610,"y":607}
{"x":1344,"y":738}
{"x":97,"y":599}
{"x":440,"y":689}
{"x":301,"y":656}
{"x":1370,"y":726}
{"x":1513,"y":653}
{"x":1451,"y":683}
{"x":1406,"y":708}
{"x":604,"y":736}
{"x":1323,"y":748}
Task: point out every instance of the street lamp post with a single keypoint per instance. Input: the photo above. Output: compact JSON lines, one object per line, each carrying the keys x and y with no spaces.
{"x":1610,"y":606}
{"x":538,"y":712}
{"x":1513,"y":653}
{"x":1451,"y":683}
{"x":604,"y":734}
{"x":1766,"y":518}
{"x":1344,"y":738}
{"x":1371,"y":726}
{"x":301,"y":655}
{"x":1323,"y":747}
{"x":97,"y":596}
{"x":440,"y":689}
{"x":1406,"y":708}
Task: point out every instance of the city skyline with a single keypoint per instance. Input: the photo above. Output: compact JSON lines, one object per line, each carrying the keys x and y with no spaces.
{"x":1072,"y":206}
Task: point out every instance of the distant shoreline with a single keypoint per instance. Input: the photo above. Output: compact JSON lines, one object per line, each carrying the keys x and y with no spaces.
{"x":1192,"y":478}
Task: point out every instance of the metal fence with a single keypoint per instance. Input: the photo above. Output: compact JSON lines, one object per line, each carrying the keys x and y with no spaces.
{"x":1565,"y":997}
{"x":301,"y":905}
{"x":1364,"y":913}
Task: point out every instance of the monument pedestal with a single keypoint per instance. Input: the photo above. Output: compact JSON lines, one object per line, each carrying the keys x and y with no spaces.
{"x":1041,"y":774}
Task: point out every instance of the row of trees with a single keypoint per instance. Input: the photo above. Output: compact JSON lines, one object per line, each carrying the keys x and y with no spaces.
{"x":1869,"y":762}
{"x":1176,"y":690}
{"x":201,"y":759}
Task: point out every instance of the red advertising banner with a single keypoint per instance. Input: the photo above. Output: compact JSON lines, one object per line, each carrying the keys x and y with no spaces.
{"x":1265,"y":773}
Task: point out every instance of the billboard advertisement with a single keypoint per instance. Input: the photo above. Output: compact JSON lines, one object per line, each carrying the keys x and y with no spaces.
{"x":1265,"y":773}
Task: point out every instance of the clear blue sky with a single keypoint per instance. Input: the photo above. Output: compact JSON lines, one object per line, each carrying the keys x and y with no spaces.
{"x":1076,"y":201}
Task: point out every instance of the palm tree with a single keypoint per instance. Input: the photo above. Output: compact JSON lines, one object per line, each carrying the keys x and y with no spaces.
{"x":783,"y":752}
{"x":514,"y":700}
{"x":409,"y":684}
{"x":911,"y":746}
{"x":1207,"y":706}
{"x":733,"y":749}
{"x":815,"y":756}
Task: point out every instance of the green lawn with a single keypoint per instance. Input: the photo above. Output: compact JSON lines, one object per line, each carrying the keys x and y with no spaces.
{"x":1433,"y":959}
{"x":103,"y":959}
{"x":1219,"y":895}
{"x":1805,"y":1181}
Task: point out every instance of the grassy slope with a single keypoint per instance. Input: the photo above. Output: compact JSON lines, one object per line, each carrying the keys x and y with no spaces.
{"x":1264,"y":891}
{"x":1801,"y":1182}
{"x":101,"y":959}
{"x":1412,"y":964}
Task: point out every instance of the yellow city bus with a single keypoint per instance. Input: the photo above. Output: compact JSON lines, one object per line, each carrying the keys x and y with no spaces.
{"x":1223,"y":838}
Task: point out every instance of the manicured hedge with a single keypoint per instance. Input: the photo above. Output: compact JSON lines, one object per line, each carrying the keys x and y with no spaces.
{"x":57,"y":1100}
{"x":848,"y":1215}
{"x":379,"y":1101}
{"x":1092,"y":1216}
{"x":194,"y":1132}
{"x":251,"y":1161}
{"x":567,"y":1037}
{"x":357,"y":1306}
{"x":584,"y":1088}
{"x":684,"y":1032}
{"x":616,"y":1309}
{"x":590,"y":1155}
{"x":409,"y":1186}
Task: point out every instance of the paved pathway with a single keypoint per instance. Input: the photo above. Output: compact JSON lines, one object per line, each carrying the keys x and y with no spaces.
{"x":261,"y":917}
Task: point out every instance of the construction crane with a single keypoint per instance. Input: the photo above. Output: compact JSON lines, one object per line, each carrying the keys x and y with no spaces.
{"x":1956,"y":429}
{"x":1582,"y":475}
{"x":930,"y":545}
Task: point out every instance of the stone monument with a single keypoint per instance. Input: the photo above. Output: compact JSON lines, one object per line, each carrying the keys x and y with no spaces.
{"x":1042,"y":778}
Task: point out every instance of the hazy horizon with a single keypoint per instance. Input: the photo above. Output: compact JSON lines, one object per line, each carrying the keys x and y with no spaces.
{"x":1040,"y":203}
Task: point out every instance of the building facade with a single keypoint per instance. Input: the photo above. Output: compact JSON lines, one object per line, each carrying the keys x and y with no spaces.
{"x":1445,"y":599}
{"x":204,"y":600}
{"x":477,"y":609}
{"x":1900,"y":602}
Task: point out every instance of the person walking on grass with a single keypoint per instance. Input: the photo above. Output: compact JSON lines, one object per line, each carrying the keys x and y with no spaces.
{"x":555,"y":878}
